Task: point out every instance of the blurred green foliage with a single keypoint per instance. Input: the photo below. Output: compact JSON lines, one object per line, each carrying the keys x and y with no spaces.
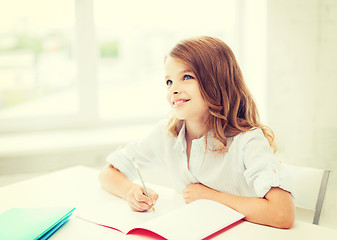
{"x":25,"y":42}
{"x":109,"y":49}
{"x":28,"y":42}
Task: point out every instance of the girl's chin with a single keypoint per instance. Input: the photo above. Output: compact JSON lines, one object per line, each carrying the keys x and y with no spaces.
{"x":178,"y":116}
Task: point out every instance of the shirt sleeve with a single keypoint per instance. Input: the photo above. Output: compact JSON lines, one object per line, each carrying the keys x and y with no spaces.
{"x":146,"y":151}
{"x":262,"y":170}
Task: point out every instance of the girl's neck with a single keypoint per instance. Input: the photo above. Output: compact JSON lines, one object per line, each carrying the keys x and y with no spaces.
{"x":194,"y":130}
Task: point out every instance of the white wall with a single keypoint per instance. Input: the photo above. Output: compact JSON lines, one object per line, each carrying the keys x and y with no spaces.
{"x":302,"y":85}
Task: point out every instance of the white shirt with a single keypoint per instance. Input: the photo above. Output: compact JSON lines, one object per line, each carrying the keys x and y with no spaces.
{"x":249,"y":168}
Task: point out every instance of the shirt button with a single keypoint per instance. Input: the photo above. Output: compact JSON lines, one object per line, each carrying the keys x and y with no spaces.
{"x":274,"y":170}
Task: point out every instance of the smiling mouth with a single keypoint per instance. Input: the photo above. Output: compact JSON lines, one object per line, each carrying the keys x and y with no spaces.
{"x":180,"y":102}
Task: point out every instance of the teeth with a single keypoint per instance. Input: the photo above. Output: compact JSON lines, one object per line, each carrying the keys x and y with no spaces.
{"x":177,"y":102}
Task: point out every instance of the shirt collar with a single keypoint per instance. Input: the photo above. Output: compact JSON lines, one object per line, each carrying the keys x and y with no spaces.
{"x":211,"y":144}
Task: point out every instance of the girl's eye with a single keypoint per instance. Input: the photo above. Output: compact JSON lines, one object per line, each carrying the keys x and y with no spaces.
{"x":169,"y":82}
{"x":187,"y":77}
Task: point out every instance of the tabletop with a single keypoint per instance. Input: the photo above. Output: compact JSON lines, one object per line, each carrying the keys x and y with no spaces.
{"x":79,"y":187}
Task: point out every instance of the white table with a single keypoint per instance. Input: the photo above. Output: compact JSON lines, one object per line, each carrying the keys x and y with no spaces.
{"x":79,"y":187}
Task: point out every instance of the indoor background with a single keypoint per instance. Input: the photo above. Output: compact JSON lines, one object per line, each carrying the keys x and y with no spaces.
{"x":79,"y":78}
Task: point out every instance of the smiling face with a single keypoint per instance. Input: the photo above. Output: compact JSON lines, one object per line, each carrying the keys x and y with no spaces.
{"x":183,"y":93}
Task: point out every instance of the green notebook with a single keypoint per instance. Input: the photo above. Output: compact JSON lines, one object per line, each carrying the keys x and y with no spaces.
{"x":32,"y":223}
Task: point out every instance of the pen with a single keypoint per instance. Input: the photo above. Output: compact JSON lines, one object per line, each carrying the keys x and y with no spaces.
{"x":141,"y":179}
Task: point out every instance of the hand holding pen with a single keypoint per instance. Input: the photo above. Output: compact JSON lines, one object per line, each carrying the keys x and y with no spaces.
{"x":141,"y":198}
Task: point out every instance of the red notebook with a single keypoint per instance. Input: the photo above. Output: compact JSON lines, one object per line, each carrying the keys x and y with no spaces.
{"x":196,"y":220}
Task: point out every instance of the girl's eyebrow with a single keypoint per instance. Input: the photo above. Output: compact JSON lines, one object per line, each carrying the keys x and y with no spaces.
{"x":186,"y":71}
{"x":182,"y":72}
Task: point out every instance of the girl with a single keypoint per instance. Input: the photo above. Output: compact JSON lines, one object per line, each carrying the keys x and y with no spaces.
{"x":214,"y":146}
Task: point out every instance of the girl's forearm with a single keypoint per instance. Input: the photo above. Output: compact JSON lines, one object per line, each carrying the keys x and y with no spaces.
{"x":114,"y":182}
{"x":278,"y":211}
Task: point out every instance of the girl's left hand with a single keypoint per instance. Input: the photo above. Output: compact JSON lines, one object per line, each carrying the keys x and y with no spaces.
{"x":196,"y":191}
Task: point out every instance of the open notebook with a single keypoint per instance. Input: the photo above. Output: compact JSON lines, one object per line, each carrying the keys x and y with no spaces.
{"x":196,"y":220}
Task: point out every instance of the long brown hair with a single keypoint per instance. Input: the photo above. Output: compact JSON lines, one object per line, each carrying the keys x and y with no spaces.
{"x":231,"y":106}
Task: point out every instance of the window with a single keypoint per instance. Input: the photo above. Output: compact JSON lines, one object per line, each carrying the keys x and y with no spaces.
{"x":37,"y":63}
{"x":90,"y":63}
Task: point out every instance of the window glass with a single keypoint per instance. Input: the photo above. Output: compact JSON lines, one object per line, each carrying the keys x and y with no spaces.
{"x":37,"y":66}
{"x":133,"y":37}
{"x":48,"y":68}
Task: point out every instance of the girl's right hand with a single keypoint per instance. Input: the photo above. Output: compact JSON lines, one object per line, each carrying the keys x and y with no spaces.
{"x":138,"y":201}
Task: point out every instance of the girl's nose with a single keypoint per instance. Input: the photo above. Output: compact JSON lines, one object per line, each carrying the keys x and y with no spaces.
{"x":174,"y":89}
